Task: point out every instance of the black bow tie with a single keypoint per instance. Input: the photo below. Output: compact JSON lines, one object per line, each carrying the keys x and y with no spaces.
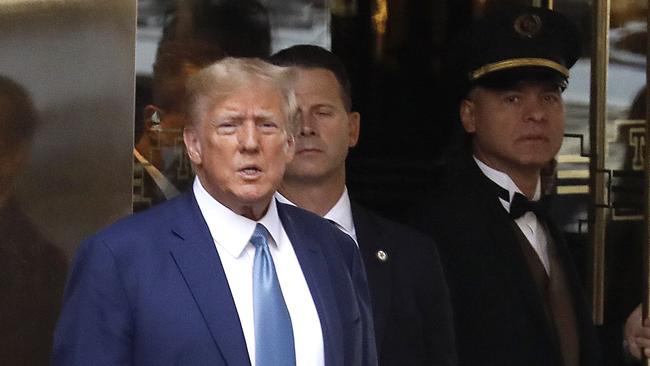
{"x":520,"y":204}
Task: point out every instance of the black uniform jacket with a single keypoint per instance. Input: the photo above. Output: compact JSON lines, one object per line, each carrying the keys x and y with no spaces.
{"x":410,"y":299}
{"x":499,"y":314}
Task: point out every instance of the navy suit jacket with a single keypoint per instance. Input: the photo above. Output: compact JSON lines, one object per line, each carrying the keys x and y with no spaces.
{"x":151,"y":290}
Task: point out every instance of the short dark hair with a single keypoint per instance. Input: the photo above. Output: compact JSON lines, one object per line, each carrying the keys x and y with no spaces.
{"x":241,"y":28}
{"x":18,"y":117}
{"x":198,"y":33}
{"x":173,"y":59}
{"x":310,"y":56}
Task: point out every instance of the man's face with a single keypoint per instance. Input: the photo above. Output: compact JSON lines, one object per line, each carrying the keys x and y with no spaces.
{"x":517,"y":130}
{"x":164,"y":125}
{"x":240,"y":148}
{"x":327,"y":130}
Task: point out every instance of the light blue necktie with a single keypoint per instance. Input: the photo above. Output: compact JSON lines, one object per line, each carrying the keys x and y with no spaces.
{"x":273,"y":332}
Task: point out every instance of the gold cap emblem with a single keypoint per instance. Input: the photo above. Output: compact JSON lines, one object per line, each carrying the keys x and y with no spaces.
{"x":527,"y":25}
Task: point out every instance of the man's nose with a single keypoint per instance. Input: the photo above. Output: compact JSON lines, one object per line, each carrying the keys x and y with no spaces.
{"x":307,"y":127}
{"x":249,"y":137}
{"x":535,"y":110}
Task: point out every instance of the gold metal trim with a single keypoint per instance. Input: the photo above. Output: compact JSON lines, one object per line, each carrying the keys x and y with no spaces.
{"x":598,"y":118}
{"x":548,"y":4}
{"x":573,"y":174}
{"x":572,"y":159}
{"x":583,"y":189}
{"x":646,"y":195}
{"x":518,"y":62}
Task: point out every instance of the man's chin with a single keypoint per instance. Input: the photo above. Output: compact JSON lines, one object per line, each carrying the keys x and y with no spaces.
{"x":303,"y":175}
{"x":301,"y":169}
{"x":255,"y":195}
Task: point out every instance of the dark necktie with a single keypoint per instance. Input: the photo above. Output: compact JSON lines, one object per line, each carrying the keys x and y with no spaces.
{"x":273,"y":332}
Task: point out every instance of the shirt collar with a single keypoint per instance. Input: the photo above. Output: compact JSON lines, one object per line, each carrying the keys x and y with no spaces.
{"x":230,"y":230}
{"x":504,"y":181}
{"x":340,"y":213}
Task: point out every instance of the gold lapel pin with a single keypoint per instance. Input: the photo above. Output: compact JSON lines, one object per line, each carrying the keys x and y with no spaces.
{"x":382,"y":256}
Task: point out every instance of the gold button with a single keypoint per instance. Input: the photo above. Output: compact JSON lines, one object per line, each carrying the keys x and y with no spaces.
{"x":382,"y":256}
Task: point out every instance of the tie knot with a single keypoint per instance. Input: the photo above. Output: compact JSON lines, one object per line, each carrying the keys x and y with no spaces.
{"x":260,"y":236}
{"x":520,"y":205}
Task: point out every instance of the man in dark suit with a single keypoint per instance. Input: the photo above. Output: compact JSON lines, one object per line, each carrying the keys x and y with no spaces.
{"x":222,"y":274}
{"x":517,"y":297}
{"x":409,"y":295}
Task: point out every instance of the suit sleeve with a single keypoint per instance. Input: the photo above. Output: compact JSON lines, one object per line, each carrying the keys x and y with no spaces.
{"x":369,"y":352}
{"x":94,"y":327}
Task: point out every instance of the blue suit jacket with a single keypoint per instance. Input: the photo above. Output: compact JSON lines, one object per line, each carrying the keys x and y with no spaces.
{"x":151,"y":290}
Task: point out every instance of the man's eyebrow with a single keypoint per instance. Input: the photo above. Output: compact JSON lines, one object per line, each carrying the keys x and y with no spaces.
{"x":323,"y":105}
{"x":229,"y":114}
{"x":263,"y":115}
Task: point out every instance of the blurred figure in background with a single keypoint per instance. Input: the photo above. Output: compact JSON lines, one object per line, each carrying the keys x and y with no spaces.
{"x":161,"y":168}
{"x":32,"y":270}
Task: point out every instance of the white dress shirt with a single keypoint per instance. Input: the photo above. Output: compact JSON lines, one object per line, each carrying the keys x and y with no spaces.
{"x":340,"y":214}
{"x":231,"y":234}
{"x":530,"y":226}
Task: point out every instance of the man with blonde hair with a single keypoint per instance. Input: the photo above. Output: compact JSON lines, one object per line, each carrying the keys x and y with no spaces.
{"x":222,"y":274}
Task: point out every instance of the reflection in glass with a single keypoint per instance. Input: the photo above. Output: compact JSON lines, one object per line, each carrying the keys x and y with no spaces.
{"x":69,"y":174}
{"x":32,"y":269}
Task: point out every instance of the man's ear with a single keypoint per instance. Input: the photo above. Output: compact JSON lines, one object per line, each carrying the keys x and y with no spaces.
{"x":151,"y":116}
{"x":192,"y":144}
{"x":466,"y":112}
{"x":290,"y":147}
{"x":354,"y":120}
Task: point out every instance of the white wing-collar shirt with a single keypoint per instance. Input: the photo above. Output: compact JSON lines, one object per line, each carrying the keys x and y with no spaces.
{"x":340,"y":214}
{"x":231,"y":234}
{"x":530,"y":226}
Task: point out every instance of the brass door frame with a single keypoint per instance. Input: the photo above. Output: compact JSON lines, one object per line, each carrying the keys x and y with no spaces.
{"x":597,"y":182}
{"x":646,"y":191}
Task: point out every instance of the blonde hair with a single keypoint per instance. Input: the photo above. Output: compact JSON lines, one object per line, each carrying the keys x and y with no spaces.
{"x":216,"y":82}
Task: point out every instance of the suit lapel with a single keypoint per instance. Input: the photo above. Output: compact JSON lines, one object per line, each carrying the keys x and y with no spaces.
{"x":198,"y":260}
{"x":315,"y":269}
{"x":588,"y":353}
{"x":378,"y":272}
{"x":499,"y":225}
